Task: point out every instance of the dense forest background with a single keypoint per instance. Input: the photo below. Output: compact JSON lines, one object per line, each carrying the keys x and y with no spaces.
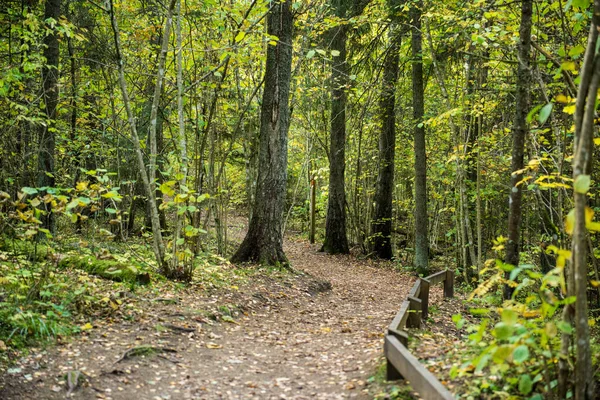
{"x":414,"y":122}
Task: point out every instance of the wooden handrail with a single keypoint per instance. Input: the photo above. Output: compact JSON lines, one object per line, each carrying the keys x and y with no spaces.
{"x":400,"y":362}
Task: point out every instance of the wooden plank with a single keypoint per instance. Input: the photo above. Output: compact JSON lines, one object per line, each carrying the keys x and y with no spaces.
{"x":399,"y":321}
{"x":420,"y":379}
{"x":415,"y":290}
{"x":449,"y":284}
{"x":402,"y":336}
{"x":414,"y":315}
{"x":424,"y":296}
{"x":437,"y":277}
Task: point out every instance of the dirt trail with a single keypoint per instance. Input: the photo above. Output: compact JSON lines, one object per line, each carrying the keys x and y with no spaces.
{"x":293,"y":341}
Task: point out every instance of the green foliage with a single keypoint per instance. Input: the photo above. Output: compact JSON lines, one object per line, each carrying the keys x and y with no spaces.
{"x":37,"y":303}
{"x":516,"y":345}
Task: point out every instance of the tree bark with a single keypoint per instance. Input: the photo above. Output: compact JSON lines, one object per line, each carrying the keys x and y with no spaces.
{"x":582,"y":168}
{"x":264,"y":241}
{"x":50,"y":95}
{"x":382,"y":223}
{"x":421,"y":239}
{"x":336,"y":240}
{"x":519,"y":134}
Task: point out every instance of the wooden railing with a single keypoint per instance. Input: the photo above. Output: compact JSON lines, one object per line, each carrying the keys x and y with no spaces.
{"x":400,"y":362}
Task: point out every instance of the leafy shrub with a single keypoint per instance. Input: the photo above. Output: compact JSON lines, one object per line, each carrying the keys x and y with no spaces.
{"x":517,"y":342}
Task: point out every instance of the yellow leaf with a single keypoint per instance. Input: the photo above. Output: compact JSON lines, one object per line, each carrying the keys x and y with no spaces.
{"x":86,"y":327}
{"x":568,"y":66}
{"x":561,"y":98}
{"x":589,"y":215}
{"x":595,"y":283}
{"x":213,"y":346}
{"x":240,"y":36}
{"x":597,"y":141}
{"x":569,"y":109}
{"x":81,"y":186}
{"x":570,"y":222}
{"x":593,"y":226}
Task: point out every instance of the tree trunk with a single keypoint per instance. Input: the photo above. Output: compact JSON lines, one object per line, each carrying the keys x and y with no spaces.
{"x":382,"y":223}
{"x":582,"y":168}
{"x":336,"y":241}
{"x":50,"y":95}
{"x":421,"y":239}
{"x":158,"y":244}
{"x":264,"y":241}
{"x":519,"y":133}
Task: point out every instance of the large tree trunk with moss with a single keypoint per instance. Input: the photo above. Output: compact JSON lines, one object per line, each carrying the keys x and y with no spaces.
{"x":50,"y":96}
{"x":264,"y":241}
{"x":519,"y":133}
{"x":382,"y":222}
{"x":421,"y":222}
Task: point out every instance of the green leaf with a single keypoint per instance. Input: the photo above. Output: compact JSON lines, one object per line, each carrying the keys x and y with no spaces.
{"x":502,"y":331}
{"x":29,"y":190}
{"x":520,"y":354}
{"x":502,"y":353}
{"x":582,"y":184}
{"x":565,"y":327}
{"x":577,"y":50}
{"x":335,"y":53}
{"x":525,"y":384}
{"x":458,"y":320}
{"x":110,"y":210}
{"x":583,"y":4}
{"x":166,"y":189}
{"x":74,"y":203}
{"x":545,"y":113}
{"x":310,"y":54}
{"x":479,"y":311}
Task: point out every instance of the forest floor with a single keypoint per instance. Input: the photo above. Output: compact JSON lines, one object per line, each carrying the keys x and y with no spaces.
{"x":279,"y":335}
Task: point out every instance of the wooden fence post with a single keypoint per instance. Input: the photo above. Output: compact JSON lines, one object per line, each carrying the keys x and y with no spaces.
{"x":424,"y":296}
{"x":414,"y":315}
{"x":312,"y":210}
{"x":392,"y":373}
{"x":449,"y":284}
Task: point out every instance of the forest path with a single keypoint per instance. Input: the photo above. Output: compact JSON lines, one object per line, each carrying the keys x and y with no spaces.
{"x":292,"y":341}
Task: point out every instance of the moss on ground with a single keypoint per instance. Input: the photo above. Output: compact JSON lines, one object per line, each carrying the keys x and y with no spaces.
{"x":108,"y":269}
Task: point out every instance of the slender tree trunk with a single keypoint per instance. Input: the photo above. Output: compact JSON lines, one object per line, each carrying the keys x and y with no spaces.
{"x":158,"y":244}
{"x":182,"y":141}
{"x":519,"y":134}
{"x":46,"y":170}
{"x":382,"y":223}
{"x":582,"y":169}
{"x":336,"y":240}
{"x":264,"y":241}
{"x":421,"y":239}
